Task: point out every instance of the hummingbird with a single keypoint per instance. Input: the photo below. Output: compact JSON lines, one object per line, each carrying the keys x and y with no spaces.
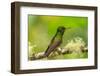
{"x":56,"y":41}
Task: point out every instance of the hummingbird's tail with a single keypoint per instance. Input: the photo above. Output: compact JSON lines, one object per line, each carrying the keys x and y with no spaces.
{"x":46,"y":54}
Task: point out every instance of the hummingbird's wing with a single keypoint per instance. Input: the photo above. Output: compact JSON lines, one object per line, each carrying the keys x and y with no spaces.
{"x":53,"y":45}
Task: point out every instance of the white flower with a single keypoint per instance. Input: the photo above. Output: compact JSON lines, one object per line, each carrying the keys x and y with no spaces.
{"x":75,"y":45}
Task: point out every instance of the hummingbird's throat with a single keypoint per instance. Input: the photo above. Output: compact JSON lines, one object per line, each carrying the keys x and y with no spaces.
{"x":59,"y":34}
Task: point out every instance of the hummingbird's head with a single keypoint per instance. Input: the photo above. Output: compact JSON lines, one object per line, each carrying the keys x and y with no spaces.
{"x":61,"y":29}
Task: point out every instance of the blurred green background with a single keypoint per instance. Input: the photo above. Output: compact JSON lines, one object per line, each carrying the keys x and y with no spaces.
{"x":42,"y":28}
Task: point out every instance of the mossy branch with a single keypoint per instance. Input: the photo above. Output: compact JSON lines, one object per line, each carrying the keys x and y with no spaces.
{"x":53,"y":54}
{"x":76,"y":45}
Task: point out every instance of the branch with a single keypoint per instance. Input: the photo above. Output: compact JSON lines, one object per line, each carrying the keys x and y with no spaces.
{"x":57,"y":52}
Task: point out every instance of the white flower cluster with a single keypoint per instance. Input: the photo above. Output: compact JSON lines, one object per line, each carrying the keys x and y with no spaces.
{"x":76,"y":45}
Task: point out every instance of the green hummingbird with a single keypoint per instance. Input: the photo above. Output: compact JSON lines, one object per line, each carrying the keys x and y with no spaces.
{"x":56,"y":41}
